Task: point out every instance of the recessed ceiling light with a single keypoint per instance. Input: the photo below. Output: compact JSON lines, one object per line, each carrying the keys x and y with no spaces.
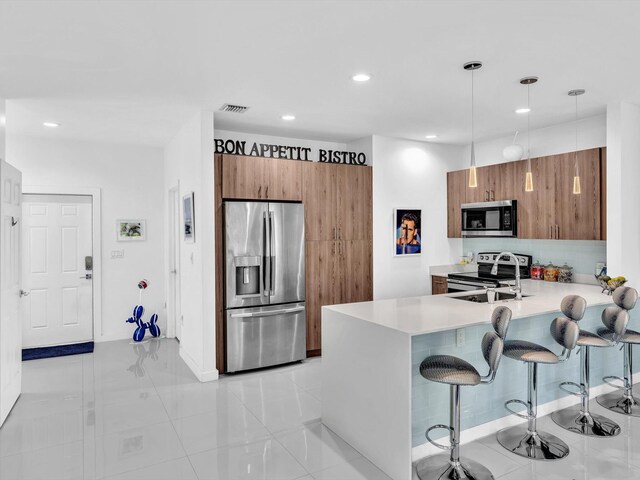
{"x":361,"y":77}
{"x":51,"y":124}
{"x":523,"y":110}
{"x":288,"y":117}
{"x":431,"y":137}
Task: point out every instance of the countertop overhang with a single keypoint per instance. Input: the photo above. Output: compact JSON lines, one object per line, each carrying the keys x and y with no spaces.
{"x":436,"y":313}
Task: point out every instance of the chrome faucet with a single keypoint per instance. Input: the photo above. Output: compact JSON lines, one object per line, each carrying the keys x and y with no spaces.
{"x":517,"y":288}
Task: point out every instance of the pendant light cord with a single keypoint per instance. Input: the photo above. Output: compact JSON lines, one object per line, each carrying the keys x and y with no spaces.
{"x":576,"y":152}
{"x":529,"y":126}
{"x":473,"y":158}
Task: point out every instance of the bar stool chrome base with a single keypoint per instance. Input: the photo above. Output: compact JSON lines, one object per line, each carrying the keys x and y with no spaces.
{"x":620,"y":403}
{"x":534,"y":445}
{"x":440,"y":467}
{"x":590,"y":424}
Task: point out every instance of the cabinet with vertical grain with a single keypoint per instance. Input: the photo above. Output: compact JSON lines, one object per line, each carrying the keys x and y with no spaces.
{"x":551,"y":210}
{"x":338,"y":219}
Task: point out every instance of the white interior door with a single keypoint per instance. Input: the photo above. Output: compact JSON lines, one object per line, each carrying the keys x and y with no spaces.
{"x":10,"y":328}
{"x":173,"y":309}
{"x":57,"y":270}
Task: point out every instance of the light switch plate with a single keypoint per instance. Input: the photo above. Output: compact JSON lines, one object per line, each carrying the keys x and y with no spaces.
{"x":115,"y":254}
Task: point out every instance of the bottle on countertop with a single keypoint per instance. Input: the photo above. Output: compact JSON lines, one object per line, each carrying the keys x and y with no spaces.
{"x":551,"y":273}
{"x":537,"y":271}
{"x":565,"y":274}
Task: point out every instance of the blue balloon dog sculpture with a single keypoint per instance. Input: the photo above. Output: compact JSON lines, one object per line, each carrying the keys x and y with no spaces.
{"x":151,"y":325}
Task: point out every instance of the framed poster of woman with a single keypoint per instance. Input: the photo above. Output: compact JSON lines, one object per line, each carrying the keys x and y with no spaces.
{"x":407,"y":231}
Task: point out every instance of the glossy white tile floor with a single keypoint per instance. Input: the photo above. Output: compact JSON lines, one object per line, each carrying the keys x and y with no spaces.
{"x":137,"y":412}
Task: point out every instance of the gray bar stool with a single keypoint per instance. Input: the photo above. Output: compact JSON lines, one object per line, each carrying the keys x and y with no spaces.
{"x":627,"y":403}
{"x":456,"y":372}
{"x":528,"y":441}
{"x":579,"y":419}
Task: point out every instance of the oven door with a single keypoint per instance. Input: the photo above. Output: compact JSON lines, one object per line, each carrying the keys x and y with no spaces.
{"x":455,"y":285}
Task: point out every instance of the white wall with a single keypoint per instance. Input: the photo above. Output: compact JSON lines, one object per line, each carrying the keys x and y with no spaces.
{"x":410,"y":174}
{"x":189,"y":162}
{"x":592,"y":133}
{"x":130,"y":180}
{"x":3,"y":128}
{"x":623,"y":194}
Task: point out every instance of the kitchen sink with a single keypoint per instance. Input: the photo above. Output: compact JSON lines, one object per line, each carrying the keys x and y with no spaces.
{"x":482,"y":297}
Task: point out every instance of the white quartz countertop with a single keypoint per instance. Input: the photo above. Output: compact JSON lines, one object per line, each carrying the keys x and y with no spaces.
{"x":436,"y":313}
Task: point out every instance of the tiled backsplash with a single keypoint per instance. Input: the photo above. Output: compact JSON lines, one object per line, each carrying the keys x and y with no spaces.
{"x":582,"y":255}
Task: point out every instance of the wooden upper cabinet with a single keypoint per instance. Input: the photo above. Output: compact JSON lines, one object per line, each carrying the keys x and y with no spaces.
{"x":283,"y":179}
{"x":258,"y":178}
{"x":320,"y":197}
{"x":456,"y":196}
{"x":551,"y":210}
{"x":578,"y":215}
{"x":243,"y":177}
{"x":354,"y":207}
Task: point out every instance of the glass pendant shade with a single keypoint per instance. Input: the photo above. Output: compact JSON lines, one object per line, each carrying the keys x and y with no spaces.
{"x":528,"y":182}
{"x":576,"y":185}
{"x":473,"y":175}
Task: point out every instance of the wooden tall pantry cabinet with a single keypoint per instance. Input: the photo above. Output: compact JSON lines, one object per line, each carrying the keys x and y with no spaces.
{"x":338,"y":229}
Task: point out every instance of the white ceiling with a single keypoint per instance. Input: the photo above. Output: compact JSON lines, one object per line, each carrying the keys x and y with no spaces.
{"x":134,"y":71}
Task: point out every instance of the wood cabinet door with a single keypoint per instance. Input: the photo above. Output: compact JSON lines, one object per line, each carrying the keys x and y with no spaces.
{"x":354,"y":207}
{"x":456,"y":196}
{"x":283,"y":179}
{"x":578,"y":215}
{"x":482,"y":192}
{"x":322,"y":285}
{"x":503,"y":181}
{"x":319,"y":194}
{"x":536,"y":209}
{"x":244,"y":177}
{"x":355,"y":264}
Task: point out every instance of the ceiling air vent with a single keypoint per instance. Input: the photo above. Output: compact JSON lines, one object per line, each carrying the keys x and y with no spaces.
{"x":227,"y":107}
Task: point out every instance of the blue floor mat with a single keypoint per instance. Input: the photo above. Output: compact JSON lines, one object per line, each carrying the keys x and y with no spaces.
{"x":57,"y":351}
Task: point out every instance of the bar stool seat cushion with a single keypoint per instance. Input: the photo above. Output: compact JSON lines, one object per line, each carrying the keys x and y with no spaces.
{"x":528,"y":352}
{"x":449,"y":369}
{"x":630,"y":336}
{"x":589,"y":339}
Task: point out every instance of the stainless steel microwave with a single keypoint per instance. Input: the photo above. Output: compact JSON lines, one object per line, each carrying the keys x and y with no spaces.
{"x":490,"y":219}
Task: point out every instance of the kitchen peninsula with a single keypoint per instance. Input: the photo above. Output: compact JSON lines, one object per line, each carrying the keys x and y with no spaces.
{"x":375,"y":398}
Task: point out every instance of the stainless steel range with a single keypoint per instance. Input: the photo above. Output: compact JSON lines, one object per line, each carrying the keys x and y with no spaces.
{"x":462,"y":282}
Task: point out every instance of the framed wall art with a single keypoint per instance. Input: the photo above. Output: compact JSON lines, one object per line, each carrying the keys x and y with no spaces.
{"x":188,"y":211}
{"x":131,"y":230}
{"x":407,"y":234}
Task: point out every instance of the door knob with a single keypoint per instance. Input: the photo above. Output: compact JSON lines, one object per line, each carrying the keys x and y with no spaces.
{"x":24,"y":294}
{"x":87,"y":276}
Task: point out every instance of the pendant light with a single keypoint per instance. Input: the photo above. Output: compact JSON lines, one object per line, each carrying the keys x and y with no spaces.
{"x":528,"y":181}
{"x":473,"y":177}
{"x":576,"y":174}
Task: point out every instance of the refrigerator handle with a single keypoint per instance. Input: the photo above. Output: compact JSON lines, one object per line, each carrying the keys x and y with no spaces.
{"x":266,"y":255}
{"x":272,"y":257}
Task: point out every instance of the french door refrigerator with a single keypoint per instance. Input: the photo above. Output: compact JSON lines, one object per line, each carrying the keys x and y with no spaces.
{"x":265,"y":284}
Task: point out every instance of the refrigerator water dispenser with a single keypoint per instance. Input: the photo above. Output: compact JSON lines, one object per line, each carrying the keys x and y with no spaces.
{"x":247,"y":275}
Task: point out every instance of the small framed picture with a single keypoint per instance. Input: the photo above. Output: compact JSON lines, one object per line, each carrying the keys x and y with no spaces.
{"x":189,"y":219}
{"x":407,"y":233}
{"x":131,"y":230}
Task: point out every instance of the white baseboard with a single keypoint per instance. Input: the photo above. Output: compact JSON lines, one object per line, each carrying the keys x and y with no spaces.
{"x":202,"y":375}
{"x":492,"y":427}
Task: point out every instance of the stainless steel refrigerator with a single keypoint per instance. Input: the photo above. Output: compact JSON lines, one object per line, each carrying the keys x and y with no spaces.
{"x":265,"y":284}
